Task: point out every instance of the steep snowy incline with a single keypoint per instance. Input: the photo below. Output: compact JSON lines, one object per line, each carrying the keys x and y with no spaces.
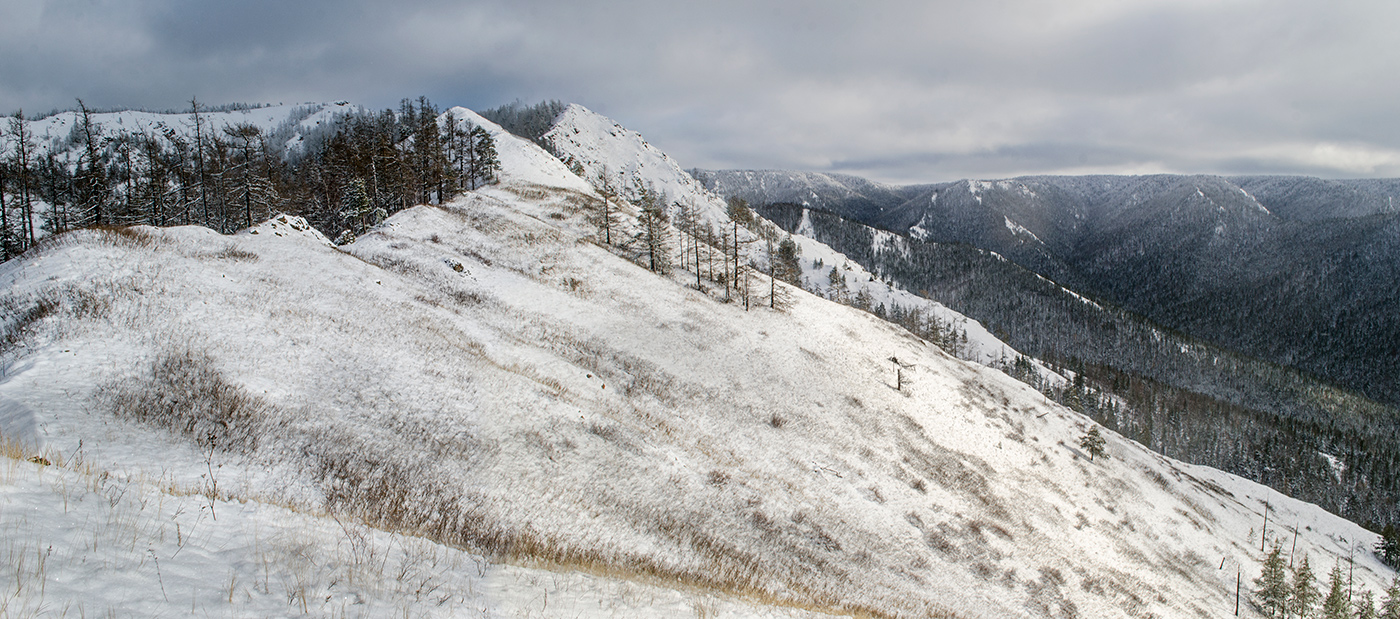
{"x":595,"y":144}
{"x":485,"y":375}
{"x":522,"y":162}
{"x":605,"y":149}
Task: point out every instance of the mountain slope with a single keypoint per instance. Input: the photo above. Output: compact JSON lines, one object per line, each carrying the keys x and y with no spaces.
{"x":1305,"y":198}
{"x":1292,"y":270}
{"x":484,"y":375}
{"x":1178,"y":395}
{"x":843,"y":194}
{"x":1267,"y":422}
{"x":608,"y":152}
{"x":605,"y":151}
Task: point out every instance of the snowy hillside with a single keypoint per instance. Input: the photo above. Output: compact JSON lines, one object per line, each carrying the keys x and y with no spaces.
{"x":605,"y":149}
{"x":860,"y":287}
{"x":602,"y":147}
{"x":288,"y":123}
{"x":483,"y":376}
{"x":522,"y":162}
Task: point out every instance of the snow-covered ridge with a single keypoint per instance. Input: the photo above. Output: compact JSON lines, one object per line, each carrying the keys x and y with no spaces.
{"x":290,"y":123}
{"x":521,"y":161}
{"x":604,"y":148}
{"x":479,"y":372}
{"x":812,"y":189}
{"x":597,"y":144}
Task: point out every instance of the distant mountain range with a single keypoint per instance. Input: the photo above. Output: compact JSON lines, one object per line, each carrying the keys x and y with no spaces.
{"x":1299,"y":271}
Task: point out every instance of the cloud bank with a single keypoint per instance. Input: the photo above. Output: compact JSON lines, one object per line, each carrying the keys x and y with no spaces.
{"x":897,"y":91}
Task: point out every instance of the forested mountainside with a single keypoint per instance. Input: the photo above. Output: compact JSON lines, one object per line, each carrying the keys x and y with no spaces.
{"x":850,"y":196}
{"x":1176,"y":394}
{"x":342,"y":167}
{"x":491,"y":373}
{"x":1303,"y":198}
{"x":1298,"y":271}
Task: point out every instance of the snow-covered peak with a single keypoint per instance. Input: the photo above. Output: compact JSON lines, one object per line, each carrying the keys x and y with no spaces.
{"x":604,"y":149}
{"x":522,"y":161}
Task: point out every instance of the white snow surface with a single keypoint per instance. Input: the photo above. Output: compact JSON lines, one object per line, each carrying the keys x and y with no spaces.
{"x":80,"y":543}
{"x":602,"y":441}
{"x":522,"y":161}
{"x":604,"y":147}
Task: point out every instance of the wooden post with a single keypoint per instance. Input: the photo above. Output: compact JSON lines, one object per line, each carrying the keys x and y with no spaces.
{"x":1264,"y":534}
{"x":1237,"y":591}
{"x":1351,"y":572}
{"x":1294,"y":549}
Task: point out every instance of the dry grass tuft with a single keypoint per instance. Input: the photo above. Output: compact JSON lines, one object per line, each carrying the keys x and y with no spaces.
{"x":183,"y":392}
{"x":20,"y":314}
{"x":235,"y":253}
{"x":137,"y":237}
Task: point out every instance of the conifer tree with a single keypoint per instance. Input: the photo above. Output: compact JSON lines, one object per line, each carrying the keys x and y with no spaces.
{"x":778,"y":298}
{"x":1093,"y":442}
{"x":122,"y":173}
{"x":8,"y":246}
{"x":1389,"y":547}
{"x":838,"y":285}
{"x":606,"y":215}
{"x":252,"y":188}
{"x":55,"y":184}
{"x":654,"y":234}
{"x":739,"y":212}
{"x":198,"y":150}
{"x":1335,"y":605}
{"x":153,"y":191}
{"x":90,"y":177}
{"x":484,"y":160}
{"x":1390,"y":608}
{"x":1303,"y":595}
{"x":789,"y":267}
{"x":1271,"y":587}
{"x":22,"y":170}
{"x":356,"y":211}
{"x":688,"y":223}
{"x":1366,"y":605}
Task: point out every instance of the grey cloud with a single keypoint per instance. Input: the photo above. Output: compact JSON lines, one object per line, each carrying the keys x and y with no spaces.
{"x":900,"y":91}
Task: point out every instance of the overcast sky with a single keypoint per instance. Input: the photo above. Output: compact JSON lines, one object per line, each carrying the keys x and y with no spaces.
{"x":909,"y":91}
